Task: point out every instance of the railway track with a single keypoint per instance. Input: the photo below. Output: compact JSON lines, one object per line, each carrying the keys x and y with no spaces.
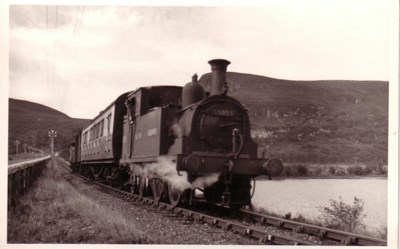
{"x":344,"y":238}
{"x":322,"y":232}
{"x":316,"y":235}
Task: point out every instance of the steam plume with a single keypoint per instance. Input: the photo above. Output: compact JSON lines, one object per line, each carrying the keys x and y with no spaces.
{"x":165,"y":169}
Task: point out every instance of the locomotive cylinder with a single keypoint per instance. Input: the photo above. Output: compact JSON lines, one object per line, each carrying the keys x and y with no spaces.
{"x":218,"y":78}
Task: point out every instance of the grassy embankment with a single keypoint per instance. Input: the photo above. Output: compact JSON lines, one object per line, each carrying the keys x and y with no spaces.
{"x":55,"y":212}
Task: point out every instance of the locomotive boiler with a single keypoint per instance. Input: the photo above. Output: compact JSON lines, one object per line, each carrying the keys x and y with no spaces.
{"x":176,"y":144}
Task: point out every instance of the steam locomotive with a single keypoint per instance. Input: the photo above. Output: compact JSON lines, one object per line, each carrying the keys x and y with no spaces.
{"x":180,"y":145}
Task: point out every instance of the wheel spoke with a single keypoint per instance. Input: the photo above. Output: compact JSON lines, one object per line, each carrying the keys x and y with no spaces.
{"x":158,"y":188}
{"x":175,"y":195}
{"x":134,"y":184}
{"x":142,"y":184}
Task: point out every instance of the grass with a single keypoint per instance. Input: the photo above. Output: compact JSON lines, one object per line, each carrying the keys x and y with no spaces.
{"x":55,"y":212}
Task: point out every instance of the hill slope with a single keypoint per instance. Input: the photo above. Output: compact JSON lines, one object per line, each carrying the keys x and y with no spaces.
{"x":315,"y":121}
{"x":297,"y":121}
{"x":30,"y":122}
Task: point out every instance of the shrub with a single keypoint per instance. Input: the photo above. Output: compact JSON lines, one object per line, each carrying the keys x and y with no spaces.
{"x":340,"y":172}
{"x":380,"y":169}
{"x":290,"y":171}
{"x":302,"y":170}
{"x":368,"y":169}
{"x":355,"y":170}
{"x":300,"y":218}
{"x":332,"y":170}
{"x":287,"y":171}
{"x":317,"y":171}
{"x":344,"y":216}
{"x":295,"y":170}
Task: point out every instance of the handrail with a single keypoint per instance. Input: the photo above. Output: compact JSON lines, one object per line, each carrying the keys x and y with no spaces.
{"x":32,"y":161}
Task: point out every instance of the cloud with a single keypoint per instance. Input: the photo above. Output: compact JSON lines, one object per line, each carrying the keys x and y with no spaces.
{"x":105,"y":51}
{"x":62,"y":37}
{"x":41,"y":16}
{"x":109,"y":18}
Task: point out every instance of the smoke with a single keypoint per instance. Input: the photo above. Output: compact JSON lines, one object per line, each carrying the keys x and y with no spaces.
{"x":176,"y":130}
{"x":165,"y":169}
{"x":205,"y":181}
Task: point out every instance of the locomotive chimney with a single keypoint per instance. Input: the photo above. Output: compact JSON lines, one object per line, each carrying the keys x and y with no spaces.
{"x":218,"y":68}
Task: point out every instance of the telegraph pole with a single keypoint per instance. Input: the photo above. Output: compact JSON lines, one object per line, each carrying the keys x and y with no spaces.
{"x":25,"y":146}
{"x":52,"y":135}
{"x":16,"y":143}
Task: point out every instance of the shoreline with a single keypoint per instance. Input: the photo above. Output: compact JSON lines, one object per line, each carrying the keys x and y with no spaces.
{"x":350,"y":177}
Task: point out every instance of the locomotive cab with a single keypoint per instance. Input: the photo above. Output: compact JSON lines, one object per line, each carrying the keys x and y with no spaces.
{"x":150,"y":112}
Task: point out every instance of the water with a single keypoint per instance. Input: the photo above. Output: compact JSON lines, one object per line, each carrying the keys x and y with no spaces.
{"x":303,"y":196}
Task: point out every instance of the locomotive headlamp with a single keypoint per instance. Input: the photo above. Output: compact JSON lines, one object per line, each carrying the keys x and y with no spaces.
{"x":272,"y":167}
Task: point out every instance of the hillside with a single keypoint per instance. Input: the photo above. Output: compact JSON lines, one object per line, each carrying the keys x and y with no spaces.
{"x":315,"y":121}
{"x":297,"y":121}
{"x":30,"y":122}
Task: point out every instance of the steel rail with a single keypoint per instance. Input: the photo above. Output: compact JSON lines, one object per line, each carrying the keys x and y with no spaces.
{"x":345,"y":238}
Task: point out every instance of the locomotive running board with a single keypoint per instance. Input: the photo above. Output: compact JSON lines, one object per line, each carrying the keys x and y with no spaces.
{"x":147,"y":159}
{"x":99,"y":162}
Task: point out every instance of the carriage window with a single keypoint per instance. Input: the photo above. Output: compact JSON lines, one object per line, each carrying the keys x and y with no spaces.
{"x":96,"y":130}
{"x":109,"y":124}
{"x":101,"y":127}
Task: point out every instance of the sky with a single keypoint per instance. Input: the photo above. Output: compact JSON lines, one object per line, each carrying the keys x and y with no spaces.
{"x":78,"y":59}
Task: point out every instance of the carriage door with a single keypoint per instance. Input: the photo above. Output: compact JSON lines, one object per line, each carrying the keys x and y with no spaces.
{"x":131,"y":106}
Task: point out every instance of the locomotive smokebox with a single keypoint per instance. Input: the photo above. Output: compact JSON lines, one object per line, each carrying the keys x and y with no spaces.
{"x":218,"y":68}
